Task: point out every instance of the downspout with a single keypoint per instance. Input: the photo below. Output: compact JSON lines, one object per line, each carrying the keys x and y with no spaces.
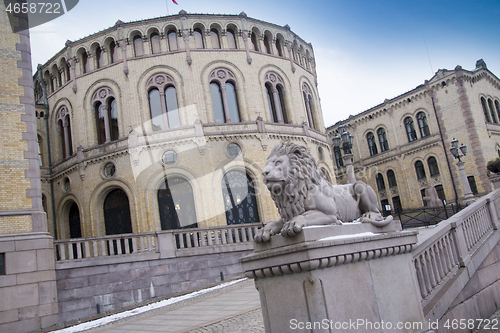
{"x":46,"y":102}
{"x":444,"y":147}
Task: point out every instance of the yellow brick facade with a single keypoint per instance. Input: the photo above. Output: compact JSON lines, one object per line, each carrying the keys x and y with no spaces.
{"x":451,"y":103}
{"x":200,"y":143}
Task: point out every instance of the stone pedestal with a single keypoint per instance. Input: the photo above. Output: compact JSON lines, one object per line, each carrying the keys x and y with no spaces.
{"x":328,"y":279}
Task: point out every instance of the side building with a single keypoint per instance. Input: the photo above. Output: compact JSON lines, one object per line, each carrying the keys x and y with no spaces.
{"x":166,"y":123}
{"x":402,"y":146}
{"x":28,"y":290}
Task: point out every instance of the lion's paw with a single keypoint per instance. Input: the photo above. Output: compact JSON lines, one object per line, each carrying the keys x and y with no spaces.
{"x":293,"y":227}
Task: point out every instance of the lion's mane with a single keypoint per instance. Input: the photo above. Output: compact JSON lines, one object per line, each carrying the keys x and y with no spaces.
{"x":303,"y":174}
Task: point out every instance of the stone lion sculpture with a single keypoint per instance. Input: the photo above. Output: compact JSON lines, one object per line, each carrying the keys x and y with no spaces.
{"x":304,"y":197}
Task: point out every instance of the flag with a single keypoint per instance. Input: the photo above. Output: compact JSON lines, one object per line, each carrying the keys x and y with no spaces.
{"x":175,"y":2}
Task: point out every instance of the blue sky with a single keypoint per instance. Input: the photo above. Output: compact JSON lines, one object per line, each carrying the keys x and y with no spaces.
{"x":366,"y":50}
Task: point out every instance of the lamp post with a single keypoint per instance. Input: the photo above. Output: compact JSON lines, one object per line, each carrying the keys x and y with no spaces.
{"x":346,"y":139}
{"x":455,"y":151}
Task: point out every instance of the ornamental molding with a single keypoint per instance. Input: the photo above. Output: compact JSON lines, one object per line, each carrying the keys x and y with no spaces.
{"x":160,"y":80}
{"x":328,"y":261}
{"x":102,"y":95}
{"x":222,"y":75}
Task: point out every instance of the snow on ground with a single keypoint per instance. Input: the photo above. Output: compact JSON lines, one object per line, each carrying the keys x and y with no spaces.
{"x":118,"y":316}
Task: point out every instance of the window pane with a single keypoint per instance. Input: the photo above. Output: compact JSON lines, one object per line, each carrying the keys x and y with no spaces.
{"x":113,"y":119}
{"x":172,"y":40}
{"x":198,"y":39}
{"x":270,"y":101}
{"x":138,"y":46}
{"x":155,"y":43}
{"x":266,"y":45}
{"x":61,"y":135}
{"x":176,"y":205}
{"x":281,"y":106}
{"x":155,"y":109}
{"x":101,"y":134}
{"x":230,"y":39}
{"x":253,"y":45}
{"x":485,"y":110}
{"x":391,"y":178}
{"x":278,"y":47}
{"x":172,"y":108}
{"x":100,"y":58}
{"x":112,"y":47}
{"x":232,"y":103}
{"x":85,"y":63}
{"x":217,"y":102}
{"x":214,"y":35}
{"x":433,"y":166}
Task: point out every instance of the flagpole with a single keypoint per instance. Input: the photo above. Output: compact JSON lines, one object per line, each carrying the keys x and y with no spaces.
{"x":166,"y":3}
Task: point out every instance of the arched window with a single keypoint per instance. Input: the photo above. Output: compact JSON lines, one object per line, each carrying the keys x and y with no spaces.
{"x":67,"y":71}
{"x":176,"y":204}
{"x":57,"y":74}
{"x":382,"y":139}
{"x":410,"y":129}
{"x":275,"y":97}
{"x":85,"y":62}
{"x":113,"y":119}
{"x":198,"y":38}
{"x":106,"y":114}
{"x":214,"y":36}
{"x":99,"y":58}
{"x":433,"y":166}
{"x":440,"y":192}
{"x":372,"y":146}
{"x":279,"y":47}
{"x":75,"y":228}
{"x":380,"y":182}
{"x":254,"y":44}
{"x":40,"y":150}
{"x":492,"y":111}
{"x":117,"y":213}
{"x":138,"y":50}
{"x":64,"y":129}
{"x":326,"y":175}
{"x":112,"y":55}
{"x":391,"y":178}
{"x":423,"y":125}
{"x":267,"y":45}
{"x":419,"y":169}
{"x":163,"y":115}
{"x":172,"y":40}
{"x":224,"y":97}
{"x":497,"y":106}
{"x":485,"y":110}
{"x":155,"y":43}
{"x":240,"y":202}
{"x":231,"y":39}
{"x":306,"y":92}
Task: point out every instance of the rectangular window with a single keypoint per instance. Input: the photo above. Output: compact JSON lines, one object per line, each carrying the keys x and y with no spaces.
{"x":472,"y":184}
{"x":2,"y":263}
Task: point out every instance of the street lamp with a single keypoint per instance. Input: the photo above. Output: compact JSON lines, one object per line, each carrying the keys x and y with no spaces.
{"x":347,"y":140}
{"x":454,"y":149}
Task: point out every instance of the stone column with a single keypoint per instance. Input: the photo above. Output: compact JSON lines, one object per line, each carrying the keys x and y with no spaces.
{"x":224,"y":102}
{"x":465,"y":182}
{"x":107,"y":130}
{"x":244,"y":34}
{"x":66,"y":136}
{"x":185,"y":37}
{"x":290,"y":55}
{"x":276,"y":104}
{"x":72,"y":64}
{"x":164,"y":110}
{"x":123,"y":46}
{"x":351,"y":177}
{"x":338,"y":279}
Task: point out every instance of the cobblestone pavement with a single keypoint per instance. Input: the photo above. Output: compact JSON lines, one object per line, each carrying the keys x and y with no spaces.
{"x":249,"y":322}
{"x":493,"y":326}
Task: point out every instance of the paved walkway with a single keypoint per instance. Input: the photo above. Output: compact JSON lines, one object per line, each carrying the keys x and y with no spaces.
{"x":231,"y":309}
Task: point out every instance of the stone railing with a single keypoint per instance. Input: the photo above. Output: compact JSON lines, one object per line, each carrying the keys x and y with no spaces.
{"x":444,"y":250}
{"x":167,"y":244}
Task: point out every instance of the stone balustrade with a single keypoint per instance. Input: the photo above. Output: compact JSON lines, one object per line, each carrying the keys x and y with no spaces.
{"x":170,"y":243}
{"x":453,"y":247}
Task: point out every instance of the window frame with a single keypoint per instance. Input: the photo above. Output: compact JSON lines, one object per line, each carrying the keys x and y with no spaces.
{"x":372,"y":145}
{"x":410,"y":129}
{"x":222,"y":77}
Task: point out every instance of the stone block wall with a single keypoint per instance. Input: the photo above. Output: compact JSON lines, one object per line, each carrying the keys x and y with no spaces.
{"x":85,"y":290}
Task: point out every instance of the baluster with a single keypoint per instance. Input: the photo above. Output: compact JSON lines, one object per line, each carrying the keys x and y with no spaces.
{"x":127,"y":245}
{"x":420,"y":278}
{"x":449,"y":254}
{"x":425,"y":273}
{"x":150,"y":244}
{"x":437,"y":260}
{"x":62,"y":250}
{"x":430,"y":269}
{"x":134,"y":245}
{"x":434,"y":263}
{"x":188,"y":239}
{"x":210,"y":235}
{"x":94,"y":249}
{"x":223,"y":234}
{"x":444,"y":253}
{"x":87,"y":249}
{"x":217,"y":236}
{"x":204,"y":238}
{"x":119,"y":243}
{"x":71,"y":254}
{"x":78,"y":250}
